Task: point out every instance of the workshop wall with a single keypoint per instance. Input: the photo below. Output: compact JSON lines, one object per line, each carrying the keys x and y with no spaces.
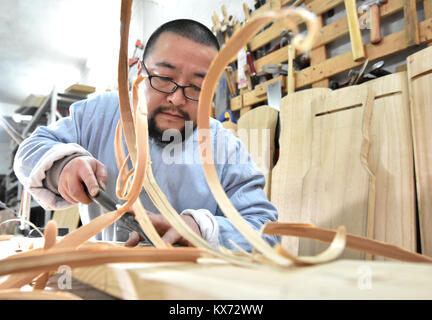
{"x":149,"y":14}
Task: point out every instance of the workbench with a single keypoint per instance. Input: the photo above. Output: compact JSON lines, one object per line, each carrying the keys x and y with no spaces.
{"x":216,"y":280}
{"x":340,"y":280}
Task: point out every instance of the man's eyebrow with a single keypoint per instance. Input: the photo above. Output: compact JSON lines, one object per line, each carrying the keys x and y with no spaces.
{"x":200,"y":75}
{"x":168,"y":65}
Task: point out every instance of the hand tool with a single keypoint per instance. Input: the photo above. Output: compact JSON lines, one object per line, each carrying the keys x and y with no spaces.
{"x":373,"y":7}
{"x":109,"y":204}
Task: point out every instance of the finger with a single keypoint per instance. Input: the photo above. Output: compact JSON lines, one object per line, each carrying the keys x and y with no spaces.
{"x":171,"y":236}
{"x":159,"y":222}
{"x":101,"y":174}
{"x":77,"y":192}
{"x":133,"y":240}
{"x":88,"y":176}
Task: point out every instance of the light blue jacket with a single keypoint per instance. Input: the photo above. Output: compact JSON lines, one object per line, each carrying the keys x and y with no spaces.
{"x":90,"y":129}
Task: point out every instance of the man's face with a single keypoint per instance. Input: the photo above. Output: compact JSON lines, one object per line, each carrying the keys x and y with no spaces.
{"x":184,"y":61}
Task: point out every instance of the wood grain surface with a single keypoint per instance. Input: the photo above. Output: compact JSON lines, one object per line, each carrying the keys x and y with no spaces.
{"x":257,"y":130}
{"x":420,"y":84}
{"x":294,"y":157}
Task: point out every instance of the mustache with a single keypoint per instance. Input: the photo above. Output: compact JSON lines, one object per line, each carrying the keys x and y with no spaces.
{"x":172,"y":109}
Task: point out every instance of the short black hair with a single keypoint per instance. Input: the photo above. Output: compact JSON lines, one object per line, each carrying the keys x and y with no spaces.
{"x":187,"y":28}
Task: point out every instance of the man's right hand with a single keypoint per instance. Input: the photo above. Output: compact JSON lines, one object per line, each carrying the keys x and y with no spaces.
{"x":81,"y":170}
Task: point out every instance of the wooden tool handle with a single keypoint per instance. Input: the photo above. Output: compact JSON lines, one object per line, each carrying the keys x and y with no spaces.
{"x":375,"y":24}
{"x":354,"y":30}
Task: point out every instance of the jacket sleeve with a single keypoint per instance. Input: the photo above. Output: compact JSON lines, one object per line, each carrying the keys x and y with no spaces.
{"x":243,"y":182}
{"x":48,"y":144}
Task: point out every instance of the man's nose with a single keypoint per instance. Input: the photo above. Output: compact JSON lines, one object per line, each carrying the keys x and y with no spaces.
{"x":177,"y":98}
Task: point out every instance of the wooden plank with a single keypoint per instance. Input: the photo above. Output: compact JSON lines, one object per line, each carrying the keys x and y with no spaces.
{"x":257,"y":131}
{"x":391,"y":161}
{"x":318,"y":55}
{"x":236,"y":103}
{"x":322,"y":6}
{"x":343,"y":279}
{"x":390,"y":44}
{"x":339,"y":28}
{"x":420,"y":83}
{"x":427,"y":6}
{"x":338,"y":188}
{"x":278,"y":56}
{"x":270,"y":5}
{"x":266,"y":36}
{"x":411,"y":22}
{"x":67,"y":218}
{"x":290,"y":83}
{"x":294,"y":157}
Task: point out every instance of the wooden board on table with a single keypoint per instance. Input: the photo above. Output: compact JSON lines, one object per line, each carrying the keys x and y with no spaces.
{"x":67,"y":218}
{"x":257,"y":130}
{"x":338,"y":189}
{"x":342,"y":279}
{"x":391,"y":161}
{"x":420,"y":84}
{"x":294,"y":157}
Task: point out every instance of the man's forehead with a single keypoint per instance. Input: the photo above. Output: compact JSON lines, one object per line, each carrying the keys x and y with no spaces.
{"x":172,"y":43}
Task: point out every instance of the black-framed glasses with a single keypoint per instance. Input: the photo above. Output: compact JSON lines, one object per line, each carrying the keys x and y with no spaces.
{"x":167,"y":85}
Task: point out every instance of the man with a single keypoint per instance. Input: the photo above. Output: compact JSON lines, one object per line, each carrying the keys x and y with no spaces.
{"x":55,"y":161}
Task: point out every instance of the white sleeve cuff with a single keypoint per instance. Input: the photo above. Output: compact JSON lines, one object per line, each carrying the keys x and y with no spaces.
{"x":46,"y":198}
{"x":207,"y":223}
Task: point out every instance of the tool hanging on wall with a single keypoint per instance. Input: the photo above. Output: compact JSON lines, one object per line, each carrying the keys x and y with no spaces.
{"x":372,"y":9}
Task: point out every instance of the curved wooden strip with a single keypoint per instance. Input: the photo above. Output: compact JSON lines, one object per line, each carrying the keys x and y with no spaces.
{"x":353,"y":242}
{"x":17,"y":294}
{"x":150,"y":185}
{"x":336,"y":248}
{"x":217,"y":67}
{"x":70,"y":241}
{"x":50,"y":240}
{"x":123,"y":83}
{"x":53,"y":258}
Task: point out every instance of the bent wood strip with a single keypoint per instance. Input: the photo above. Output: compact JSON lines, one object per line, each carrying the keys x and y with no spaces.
{"x":50,"y":240}
{"x":353,"y":242}
{"x":52,"y":259}
{"x":70,"y":241}
{"x":153,"y":189}
{"x":209,"y":86}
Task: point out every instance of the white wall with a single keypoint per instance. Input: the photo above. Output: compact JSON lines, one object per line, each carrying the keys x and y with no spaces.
{"x":150,"y":14}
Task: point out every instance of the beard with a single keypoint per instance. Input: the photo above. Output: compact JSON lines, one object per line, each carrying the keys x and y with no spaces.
{"x":157,"y":133}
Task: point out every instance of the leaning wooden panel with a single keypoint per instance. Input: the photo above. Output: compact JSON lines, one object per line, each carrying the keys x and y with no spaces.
{"x":294,"y":157}
{"x":257,"y":130}
{"x":338,"y":189}
{"x":420,"y":84}
{"x":391,"y":161}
